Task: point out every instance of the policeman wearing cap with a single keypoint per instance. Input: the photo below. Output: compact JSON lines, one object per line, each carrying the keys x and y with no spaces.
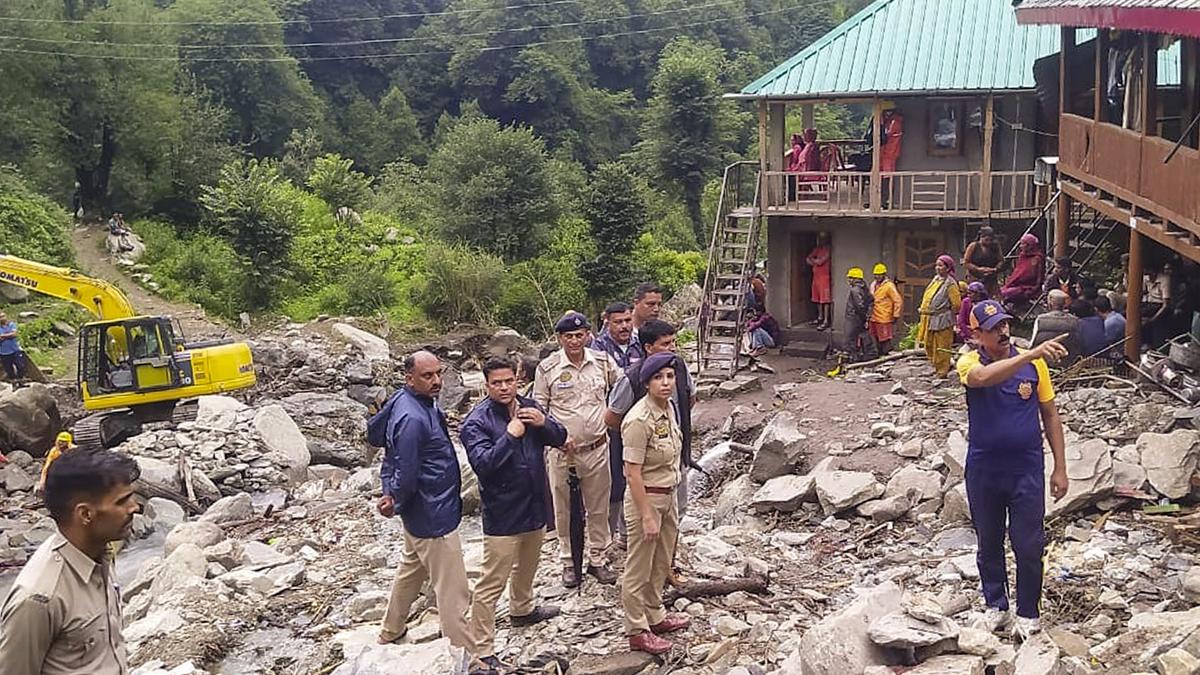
{"x":1010,"y":405}
{"x":572,"y":384}
{"x":652,"y":443}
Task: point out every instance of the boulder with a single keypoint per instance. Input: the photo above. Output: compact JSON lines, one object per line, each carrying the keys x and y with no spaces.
{"x":732,"y":502}
{"x":1178,"y":662}
{"x":167,"y":514}
{"x":201,"y":535}
{"x":218,"y":412}
{"x":900,"y":630}
{"x":247,"y":580}
{"x":433,"y":658}
{"x":12,"y":294}
{"x":778,"y":449}
{"x":125,"y":248}
{"x":158,"y":622}
{"x":235,"y":508}
{"x":259,"y":555}
{"x":978,"y":642}
{"x":1089,"y":474}
{"x":15,"y":479}
{"x":29,"y":419}
{"x":285,"y":444}
{"x":955,"y":507}
{"x":373,"y":347}
{"x":506,"y":342}
{"x":841,"y":490}
{"x":955,"y":457}
{"x":184,"y":567}
{"x":228,"y":554}
{"x":927,"y":484}
{"x":158,"y":473}
{"x":839,"y":643}
{"x":1169,"y":460}
{"x":367,"y":606}
{"x":1128,"y":476}
{"x":1191,"y":585}
{"x":684,"y":305}
{"x":783,"y":493}
{"x":1038,"y":656}
{"x":886,"y":509}
{"x":950,"y":664}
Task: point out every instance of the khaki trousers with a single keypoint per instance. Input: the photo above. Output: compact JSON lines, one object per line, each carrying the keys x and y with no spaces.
{"x":596,"y":483}
{"x":648,"y":563}
{"x":507,"y":561}
{"x":441,"y":561}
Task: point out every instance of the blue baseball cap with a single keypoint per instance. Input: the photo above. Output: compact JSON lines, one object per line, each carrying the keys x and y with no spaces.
{"x":571,"y":321}
{"x":987,"y":314}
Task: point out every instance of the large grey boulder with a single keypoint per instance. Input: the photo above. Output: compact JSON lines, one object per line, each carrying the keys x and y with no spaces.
{"x":950,"y":664}
{"x":284,"y":443}
{"x":158,"y":473}
{"x":1128,"y":476}
{"x":778,"y":449}
{"x":218,"y":412}
{"x":841,"y":490}
{"x":926,"y":484}
{"x":11,"y":294}
{"x":733,"y":501}
{"x":899,"y":630}
{"x":373,"y":347}
{"x":955,"y":506}
{"x":1038,"y":656}
{"x":784,"y":493}
{"x":1170,"y":460}
{"x":167,"y":514}
{"x":433,"y":658}
{"x":235,"y":508}
{"x":1089,"y":476}
{"x":886,"y":509}
{"x":15,"y":479}
{"x":184,"y":567}
{"x":29,"y":419}
{"x":201,"y":535}
{"x":839,"y":643}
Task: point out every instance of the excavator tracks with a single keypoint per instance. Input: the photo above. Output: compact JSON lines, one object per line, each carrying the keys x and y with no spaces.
{"x":112,"y":427}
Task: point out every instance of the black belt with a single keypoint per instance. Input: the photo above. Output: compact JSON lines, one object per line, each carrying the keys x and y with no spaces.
{"x":659,"y":490}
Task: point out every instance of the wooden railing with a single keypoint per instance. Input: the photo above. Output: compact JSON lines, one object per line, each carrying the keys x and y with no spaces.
{"x":1133,"y":163}
{"x":901,"y":192}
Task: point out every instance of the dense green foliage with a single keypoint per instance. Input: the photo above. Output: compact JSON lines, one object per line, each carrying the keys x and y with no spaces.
{"x":31,"y":226}
{"x":504,"y":162}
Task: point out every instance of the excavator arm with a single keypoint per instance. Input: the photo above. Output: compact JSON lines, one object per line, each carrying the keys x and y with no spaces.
{"x":97,"y":296}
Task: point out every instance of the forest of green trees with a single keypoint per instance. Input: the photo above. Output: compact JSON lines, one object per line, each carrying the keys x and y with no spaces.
{"x":504,"y":159}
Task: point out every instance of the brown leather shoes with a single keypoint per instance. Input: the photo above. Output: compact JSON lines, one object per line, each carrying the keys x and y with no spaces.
{"x":650,"y":643}
{"x":570,"y":579}
{"x":671,"y":623}
{"x":603,"y":574}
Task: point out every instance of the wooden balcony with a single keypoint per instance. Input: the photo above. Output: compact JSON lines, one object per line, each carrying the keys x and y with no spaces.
{"x":1122,"y":174}
{"x":903,"y":194}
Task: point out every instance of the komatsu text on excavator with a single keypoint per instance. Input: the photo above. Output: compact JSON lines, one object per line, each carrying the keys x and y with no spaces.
{"x":132,"y":369}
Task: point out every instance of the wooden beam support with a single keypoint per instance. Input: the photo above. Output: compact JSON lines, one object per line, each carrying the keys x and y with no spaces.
{"x":807,"y":116}
{"x":1190,"y":60}
{"x":876,"y":151}
{"x":1133,"y":298}
{"x":1101,"y":76}
{"x":1062,"y":221}
{"x":762,"y":152}
{"x":1064,"y":71}
{"x":989,"y":124}
{"x":1150,"y":84}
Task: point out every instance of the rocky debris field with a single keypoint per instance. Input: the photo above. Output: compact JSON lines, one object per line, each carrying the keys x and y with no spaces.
{"x":829,"y":534}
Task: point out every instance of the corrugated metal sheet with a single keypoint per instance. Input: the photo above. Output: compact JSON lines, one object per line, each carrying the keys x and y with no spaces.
{"x":1154,"y":4}
{"x":1169,"y":17}
{"x":920,"y":46}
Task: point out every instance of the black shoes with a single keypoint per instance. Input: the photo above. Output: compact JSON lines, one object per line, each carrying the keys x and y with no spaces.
{"x":539,"y":614}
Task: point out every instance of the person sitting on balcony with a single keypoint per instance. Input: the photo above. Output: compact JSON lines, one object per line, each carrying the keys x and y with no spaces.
{"x":976,"y":293}
{"x":1063,"y":277}
{"x":810,"y":161}
{"x":938,"y":307}
{"x":1025,"y":281}
{"x":822,"y":281}
{"x":793,"y":163}
{"x":982,"y":260}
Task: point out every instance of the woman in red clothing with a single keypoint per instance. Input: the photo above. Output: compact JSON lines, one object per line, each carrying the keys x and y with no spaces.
{"x":822,"y":283}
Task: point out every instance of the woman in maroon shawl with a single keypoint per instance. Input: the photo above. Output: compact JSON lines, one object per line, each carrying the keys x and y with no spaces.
{"x":1025,"y":282}
{"x":810,"y":155}
{"x":793,"y":157}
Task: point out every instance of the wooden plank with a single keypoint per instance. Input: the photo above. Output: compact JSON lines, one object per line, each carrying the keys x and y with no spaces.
{"x":989,"y":123}
{"x":1100,"y":61}
{"x":1064,"y":72}
{"x":1150,"y":84}
{"x":1133,"y":306}
{"x":876,"y":150}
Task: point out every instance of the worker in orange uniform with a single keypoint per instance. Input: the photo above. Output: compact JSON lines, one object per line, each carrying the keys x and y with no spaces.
{"x":893,"y":133}
{"x":886,"y":310}
{"x":62,"y":443}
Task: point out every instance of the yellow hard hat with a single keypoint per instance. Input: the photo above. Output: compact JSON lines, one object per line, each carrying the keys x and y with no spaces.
{"x":880,"y":268}
{"x":887,"y":105}
{"x":855,"y":273}
{"x":64,"y":436}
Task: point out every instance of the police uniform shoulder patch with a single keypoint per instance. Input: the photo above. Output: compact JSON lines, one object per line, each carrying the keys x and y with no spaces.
{"x":1025,"y":389}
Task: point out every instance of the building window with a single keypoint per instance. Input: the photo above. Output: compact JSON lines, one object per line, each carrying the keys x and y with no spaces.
{"x":945,"y":128}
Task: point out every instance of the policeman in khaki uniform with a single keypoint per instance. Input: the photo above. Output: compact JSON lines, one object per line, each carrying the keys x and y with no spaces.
{"x":572,"y":385}
{"x":63,"y":614}
{"x":652,"y":447}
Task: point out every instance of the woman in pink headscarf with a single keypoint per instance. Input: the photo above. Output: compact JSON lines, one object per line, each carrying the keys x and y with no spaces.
{"x":793,"y":157}
{"x":1025,"y":282}
{"x":810,"y":154}
{"x":939,"y":305}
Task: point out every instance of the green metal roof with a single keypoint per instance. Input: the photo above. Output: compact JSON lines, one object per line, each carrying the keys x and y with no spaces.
{"x":898,"y":47}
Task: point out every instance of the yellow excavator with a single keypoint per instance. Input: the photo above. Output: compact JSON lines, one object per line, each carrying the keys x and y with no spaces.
{"x":132,"y":369}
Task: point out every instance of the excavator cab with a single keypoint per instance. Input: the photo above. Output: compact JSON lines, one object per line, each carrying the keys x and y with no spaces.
{"x":131,"y":355}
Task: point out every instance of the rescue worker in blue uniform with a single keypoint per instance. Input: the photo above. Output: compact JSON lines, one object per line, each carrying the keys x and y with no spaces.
{"x":1010,"y":406}
{"x":617,"y":339}
{"x":506,"y":436}
{"x":422,"y":483}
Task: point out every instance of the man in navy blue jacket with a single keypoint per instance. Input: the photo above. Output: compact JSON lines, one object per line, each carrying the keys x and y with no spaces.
{"x":506,"y":437}
{"x":422,"y":483}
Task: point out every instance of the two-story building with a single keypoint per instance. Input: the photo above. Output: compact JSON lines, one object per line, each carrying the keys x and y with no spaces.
{"x":1129,"y":142}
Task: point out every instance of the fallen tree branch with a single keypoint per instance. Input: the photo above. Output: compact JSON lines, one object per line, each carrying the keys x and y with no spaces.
{"x":708,"y":589}
{"x":885,"y":359}
{"x":148,"y":490}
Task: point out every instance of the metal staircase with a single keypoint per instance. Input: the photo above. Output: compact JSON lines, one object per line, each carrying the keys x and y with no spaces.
{"x":731,"y":258}
{"x":1086,"y":232}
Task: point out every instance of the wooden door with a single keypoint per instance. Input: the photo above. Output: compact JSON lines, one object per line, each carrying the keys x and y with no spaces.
{"x":801,"y":309}
{"x":916,"y":253}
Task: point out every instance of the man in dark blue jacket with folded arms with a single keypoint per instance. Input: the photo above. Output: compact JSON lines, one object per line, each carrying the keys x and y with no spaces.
{"x":506,"y":437}
{"x":422,"y":483}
